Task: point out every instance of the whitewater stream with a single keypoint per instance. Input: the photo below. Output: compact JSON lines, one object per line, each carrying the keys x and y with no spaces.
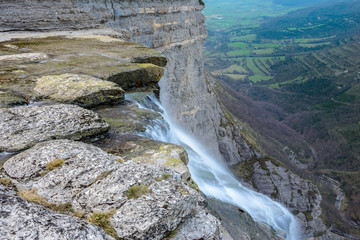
{"x":215,"y":181}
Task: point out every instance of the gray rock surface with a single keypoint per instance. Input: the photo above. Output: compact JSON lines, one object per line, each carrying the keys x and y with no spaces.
{"x":20,"y":219}
{"x":146,"y":151}
{"x":23,"y":127}
{"x":128,"y":118}
{"x":202,"y":226}
{"x":238,"y":223}
{"x":177,"y":29}
{"x":79,"y":89}
{"x":92,"y":180}
{"x":43,"y":15}
{"x":300,"y":196}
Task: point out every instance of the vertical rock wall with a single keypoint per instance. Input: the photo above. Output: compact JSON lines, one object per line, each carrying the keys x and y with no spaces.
{"x":177,"y":29}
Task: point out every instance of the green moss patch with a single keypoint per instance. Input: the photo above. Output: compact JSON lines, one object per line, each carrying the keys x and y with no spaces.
{"x":32,"y":196}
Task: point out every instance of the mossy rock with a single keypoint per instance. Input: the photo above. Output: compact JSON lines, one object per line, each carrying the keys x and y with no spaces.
{"x":132,"y":65}
{"x":82,"y":90}
{"x":146,"y":151}
{"x":9,"y":99}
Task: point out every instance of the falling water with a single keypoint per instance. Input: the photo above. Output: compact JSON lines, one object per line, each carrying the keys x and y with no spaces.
{"x":214,"y":180}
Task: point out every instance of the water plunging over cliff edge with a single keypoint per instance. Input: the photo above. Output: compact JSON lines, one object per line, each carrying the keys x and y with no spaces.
{"x":214,"y":180}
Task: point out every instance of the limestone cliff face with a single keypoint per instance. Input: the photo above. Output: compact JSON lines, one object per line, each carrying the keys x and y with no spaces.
{"x":177,"y":29}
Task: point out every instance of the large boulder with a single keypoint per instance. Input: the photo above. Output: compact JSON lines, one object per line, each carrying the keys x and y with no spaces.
{"x":79,"y":89}
{"x":23,"y":127}
{"x":138,"y":201}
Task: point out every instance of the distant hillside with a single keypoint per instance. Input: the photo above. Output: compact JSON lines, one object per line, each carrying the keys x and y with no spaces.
{"x":291,"y":74}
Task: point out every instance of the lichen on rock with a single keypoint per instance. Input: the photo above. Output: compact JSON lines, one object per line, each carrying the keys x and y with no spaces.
{"x":79,"y":89}
{"x":147,"y":151}
{"x":23,"y":127}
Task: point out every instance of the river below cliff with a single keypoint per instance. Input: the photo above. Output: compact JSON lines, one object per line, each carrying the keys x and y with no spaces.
{"x":215,"y":181}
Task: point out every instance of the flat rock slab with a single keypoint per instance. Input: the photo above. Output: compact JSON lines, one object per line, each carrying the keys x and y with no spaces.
{"x":92,"y":180}
{"x":146,"y":151}
{"x":79,"y":89}
{"x":20,"y":219}
{"x":23,"y":127}
{"x":130,"y":65}
{"x":128,"y":118}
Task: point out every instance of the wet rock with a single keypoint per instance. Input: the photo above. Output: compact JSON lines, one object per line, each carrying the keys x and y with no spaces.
{"x":21,"y":219}
{"x":146,"y":151}
{"x":23,"y":57}
{"x":9,"y":99}
{"x":238,"y":223}
{"x":142,"y":201}
{"x":132,"y":65}
{"x":128,"y":118}
{"x":82,"y":90}
{"x":271,"y":178}
{"x":23,"y":127}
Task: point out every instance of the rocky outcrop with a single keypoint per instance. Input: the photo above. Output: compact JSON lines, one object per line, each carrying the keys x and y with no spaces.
{"x":141,"y":201}
{"x":301,"y":197}
{"x":147,"y":151}
{"x":23,"y":127}
{"x":238,"y":223}
{"x":82,"y":90}
{"x":21,"y":219}
{"x":129,"y":118}
{"x":83,"y":57}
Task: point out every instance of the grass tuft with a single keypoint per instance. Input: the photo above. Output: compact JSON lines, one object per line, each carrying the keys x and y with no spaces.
{"x":137,"y":191}
{"x":102,"y":220}
{"x":54,"y":164}
{"x":32,"y":196}
{"x":6,"y":182}
{"x":163,"y":177}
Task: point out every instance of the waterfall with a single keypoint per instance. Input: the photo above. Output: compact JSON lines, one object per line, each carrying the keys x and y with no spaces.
{"x":215,"y":181}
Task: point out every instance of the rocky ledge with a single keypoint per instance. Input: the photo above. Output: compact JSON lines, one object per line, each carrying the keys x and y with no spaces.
{"x":117,"y":185}
{"x":139,"y":201}
{"x":23,"y":127}
{"x":87,"y":69}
